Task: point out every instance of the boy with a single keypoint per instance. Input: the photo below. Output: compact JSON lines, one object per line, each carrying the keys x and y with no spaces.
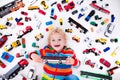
{"x":57,"y":47}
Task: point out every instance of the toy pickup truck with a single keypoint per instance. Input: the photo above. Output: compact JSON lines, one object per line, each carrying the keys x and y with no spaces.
{"x":54,"y":59}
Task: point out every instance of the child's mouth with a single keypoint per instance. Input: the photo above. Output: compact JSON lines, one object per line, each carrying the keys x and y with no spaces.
{"x":56,"y":45}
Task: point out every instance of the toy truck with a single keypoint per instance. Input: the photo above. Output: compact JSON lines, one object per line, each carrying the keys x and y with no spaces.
{"x":78,"y":25}
{"x":10,"y":7}
{"x":14,"y":71}
{"x":27,"y":30}
{"x":54,"y":59}
{"x":95,"y":76}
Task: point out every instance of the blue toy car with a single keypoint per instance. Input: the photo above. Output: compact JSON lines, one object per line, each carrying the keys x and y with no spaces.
{"x":8,"y":57}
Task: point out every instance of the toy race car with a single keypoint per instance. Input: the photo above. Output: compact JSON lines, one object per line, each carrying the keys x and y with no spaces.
{"x":105,"y":62}
{"x":54,"y":59}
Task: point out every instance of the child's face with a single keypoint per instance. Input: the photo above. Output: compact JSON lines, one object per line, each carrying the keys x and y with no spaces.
{"x":57,"y":41}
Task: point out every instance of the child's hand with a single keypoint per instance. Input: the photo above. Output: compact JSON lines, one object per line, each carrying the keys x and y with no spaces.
{"x":69,"y":61}
{"x":36,"y":58}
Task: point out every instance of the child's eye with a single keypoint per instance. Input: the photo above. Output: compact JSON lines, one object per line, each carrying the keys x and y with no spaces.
{"x":59,"y":39}
{"x":53,"y":40}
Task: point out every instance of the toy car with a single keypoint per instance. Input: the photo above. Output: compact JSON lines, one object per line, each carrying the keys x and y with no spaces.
{"x":43,"y":3}
{"x":31,"y":73}
{"x":88,"y":17}
{"x":3,"y":39}
{"x":59,"y":7}
{"x":114,"y":40}
{"x":74,"y":12}
{"x":105,"y":62}
{"x":2,"y":64}
{"x":8,"y":47}
{"x":39,"y":36}
{"x":8,"y":57}
{"x":2,"y":26}
{"x":101,"y":40}
{"x":14,"y":71}
{"x":52,"y":11}
{"x":64,"y":1}
{"x":42,"y":12}
{"x":27,"y":30}
{"x":69,"y":6}
{"x":68,"y":30}
{"x":88,"y":62}
{"x":109,"y":29}
{"x":61,"y":21}
{"x":16,"y":43}
{"x":117,"y":62}
{"x":76,"y":38}
{"x":33,"y":7}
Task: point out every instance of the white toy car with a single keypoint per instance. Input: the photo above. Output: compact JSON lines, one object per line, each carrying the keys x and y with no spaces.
{"x":31,"y":73}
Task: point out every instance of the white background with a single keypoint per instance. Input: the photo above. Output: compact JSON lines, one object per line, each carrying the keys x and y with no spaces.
{"x":77,"y":47}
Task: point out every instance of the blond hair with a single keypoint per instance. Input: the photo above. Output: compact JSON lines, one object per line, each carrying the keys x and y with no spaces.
{"x":57,"y":30}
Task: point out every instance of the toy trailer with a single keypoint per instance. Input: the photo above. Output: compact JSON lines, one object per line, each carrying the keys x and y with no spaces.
{"x":6,"y":9}
{"x":96,"y":76}
{"x":78,"y":25}
{"x":14,"y":71}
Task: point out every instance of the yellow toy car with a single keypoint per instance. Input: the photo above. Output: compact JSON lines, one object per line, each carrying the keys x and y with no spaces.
{"x":33,"y":7}
{"x":117,"y":62}
{"x":76,"y":38}
{"x":45,"y":6}
{"x":101,"y":40}
{"x":61,"y":21}
{"x":39,"y":36}
{"x":16,"y":43}
{"x":2,"y":26}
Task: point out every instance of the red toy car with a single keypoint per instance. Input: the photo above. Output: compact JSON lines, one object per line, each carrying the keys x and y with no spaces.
{"x":3,"y":39}
{"x":88,"y":62}
{"x":2,"y":64}
{"x":59,"y":7}
{"x":105,"y":62}
{"x":42,"y":12}
{"x":27,"y":30}
{"x":70,"y":5}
